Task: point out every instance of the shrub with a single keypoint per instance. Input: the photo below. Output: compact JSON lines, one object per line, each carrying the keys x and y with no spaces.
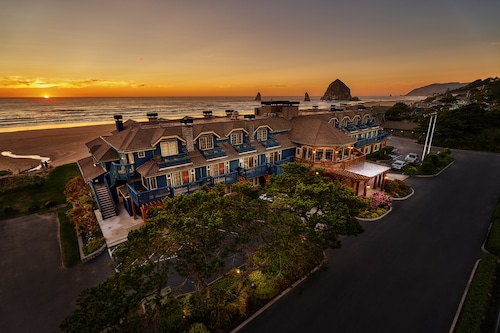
{"x":397,"y":188}
{"x":479,"y":296}
{"x":18,"y":183}
{"x":493,"y":241}
{"x":93,"y":245}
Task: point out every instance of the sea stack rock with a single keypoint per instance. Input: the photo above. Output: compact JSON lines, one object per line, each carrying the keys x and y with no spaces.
{"x":258,"y":97}
{"x":337,"y":90}
{"x":307,"y":98}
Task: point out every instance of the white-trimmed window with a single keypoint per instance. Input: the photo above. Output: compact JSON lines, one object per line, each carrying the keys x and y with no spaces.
{"x":213,"y":170}
{"x":273,"y":157}
{"x":345,"y":121}
{"x":335,"y":122}
{"x":141,"y":154}
{"x":169,"y":147}
{"x":248,"y":162}
{"x":329,"y":154}
{"x":236,"y":138}
{"x":206,"y":142}
{"x":262,"y":134}
{"x":174,"y":179}
{"x":150,"y":183}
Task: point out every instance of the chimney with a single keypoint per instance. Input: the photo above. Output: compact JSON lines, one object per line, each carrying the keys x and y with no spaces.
{"x":250,"y":126}
{"x":119,"y":122}
{"x":152,"y":116}
{"x":187,"y":132}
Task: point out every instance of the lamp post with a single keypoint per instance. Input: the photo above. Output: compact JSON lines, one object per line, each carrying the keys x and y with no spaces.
{"x":430,"y":134}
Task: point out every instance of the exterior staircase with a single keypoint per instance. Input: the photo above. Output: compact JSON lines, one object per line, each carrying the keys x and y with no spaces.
{"x":105,"y":201}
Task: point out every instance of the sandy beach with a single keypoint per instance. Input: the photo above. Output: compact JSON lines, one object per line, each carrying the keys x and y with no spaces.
{"x":61,"y":145}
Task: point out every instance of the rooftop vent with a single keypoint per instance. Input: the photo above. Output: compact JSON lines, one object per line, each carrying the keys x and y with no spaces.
{"x":152,"y":116}
{"x":229,"y":113}
{"x":207,"y":114}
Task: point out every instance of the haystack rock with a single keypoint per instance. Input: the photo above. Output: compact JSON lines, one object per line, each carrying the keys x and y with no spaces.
{"x":337,"y":90}
{"x":258,"y":97}
{"x":307,"y":98}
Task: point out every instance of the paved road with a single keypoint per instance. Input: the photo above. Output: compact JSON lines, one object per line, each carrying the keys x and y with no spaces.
{"x":36,"y":292}
{"x":406,"y":272}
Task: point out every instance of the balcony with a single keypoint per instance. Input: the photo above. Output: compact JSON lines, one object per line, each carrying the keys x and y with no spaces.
{"x":121,"y":172}
{"x":245,"y":147}
{"x":215,"y":152}
{"x":270,"y":143}
{"x":363,"y":142}
{"x":227,"y":178}
{"x":356,"y":158}
{"x":140,"y":195}
{"x":253,"y":172}
{"x":170,"y":161}
{"x":276,"y":168}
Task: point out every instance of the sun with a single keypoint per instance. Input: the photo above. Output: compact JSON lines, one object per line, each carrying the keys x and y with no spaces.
{"x":46,"y":96}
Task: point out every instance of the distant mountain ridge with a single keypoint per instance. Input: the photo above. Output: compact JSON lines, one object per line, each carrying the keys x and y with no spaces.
{"x":435,"y":88}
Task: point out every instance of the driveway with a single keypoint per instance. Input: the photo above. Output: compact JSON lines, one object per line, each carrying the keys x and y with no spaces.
{"x":36,"y":292}
{"x":406,"y":272}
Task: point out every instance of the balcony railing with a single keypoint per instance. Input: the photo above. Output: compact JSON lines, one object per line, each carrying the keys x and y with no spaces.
{"x":170,"y":161}
{"x":244,"y":147}
{"x":253,"y":172}
{"x":276,"y":168}
{"x":121,"y":172}
{"x":216,"y":152}
{"x":140,"y":195}
{"x":344,"y":164}
{"x":270,"y":142}
{"x":363,"y":142}
{"x":227,"y":178}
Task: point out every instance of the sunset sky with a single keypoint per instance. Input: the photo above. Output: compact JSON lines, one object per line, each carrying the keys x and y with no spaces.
{"x":238,"y":48}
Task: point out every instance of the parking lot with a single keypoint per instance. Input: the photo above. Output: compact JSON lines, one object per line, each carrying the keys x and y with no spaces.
{"x":36,"y":292}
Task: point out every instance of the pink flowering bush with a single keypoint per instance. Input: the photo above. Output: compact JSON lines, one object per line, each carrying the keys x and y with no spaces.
{"x":380,"y":200}
{"x":377,"y":205}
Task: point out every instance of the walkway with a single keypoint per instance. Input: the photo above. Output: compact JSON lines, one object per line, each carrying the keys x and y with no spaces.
{"x":116,"y":228}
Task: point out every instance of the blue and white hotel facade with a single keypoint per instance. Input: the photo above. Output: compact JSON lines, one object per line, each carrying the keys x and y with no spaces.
{"x":141,"y":163}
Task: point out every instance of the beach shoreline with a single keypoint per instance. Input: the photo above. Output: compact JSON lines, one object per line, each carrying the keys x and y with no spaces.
{"x":65,"y":143}
{"x":60,"y":145}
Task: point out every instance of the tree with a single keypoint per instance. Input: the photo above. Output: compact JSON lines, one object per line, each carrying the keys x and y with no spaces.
{"x":398,"y":111}
{"x":326,"y":208}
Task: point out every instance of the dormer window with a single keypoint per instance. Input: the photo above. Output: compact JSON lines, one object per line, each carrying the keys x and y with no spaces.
{"x":236,"y":138}
{"x":262,"y":134}
{"x":345,"y":121}
{"x":206,"y":142}
{"x":335,"y":122}
{"x":169,"y":147}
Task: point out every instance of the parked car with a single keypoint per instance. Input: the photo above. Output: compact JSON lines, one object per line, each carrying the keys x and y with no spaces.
{"x":399,"y":164}
{"x":412,"y":158}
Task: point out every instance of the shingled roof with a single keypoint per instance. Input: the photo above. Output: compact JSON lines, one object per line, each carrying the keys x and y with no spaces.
{"x":317,"y":132}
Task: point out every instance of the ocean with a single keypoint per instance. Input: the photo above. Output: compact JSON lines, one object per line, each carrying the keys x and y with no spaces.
{"x":35,"y":113}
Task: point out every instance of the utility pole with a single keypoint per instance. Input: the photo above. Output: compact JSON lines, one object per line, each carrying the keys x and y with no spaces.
{"x":430,"y":134}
